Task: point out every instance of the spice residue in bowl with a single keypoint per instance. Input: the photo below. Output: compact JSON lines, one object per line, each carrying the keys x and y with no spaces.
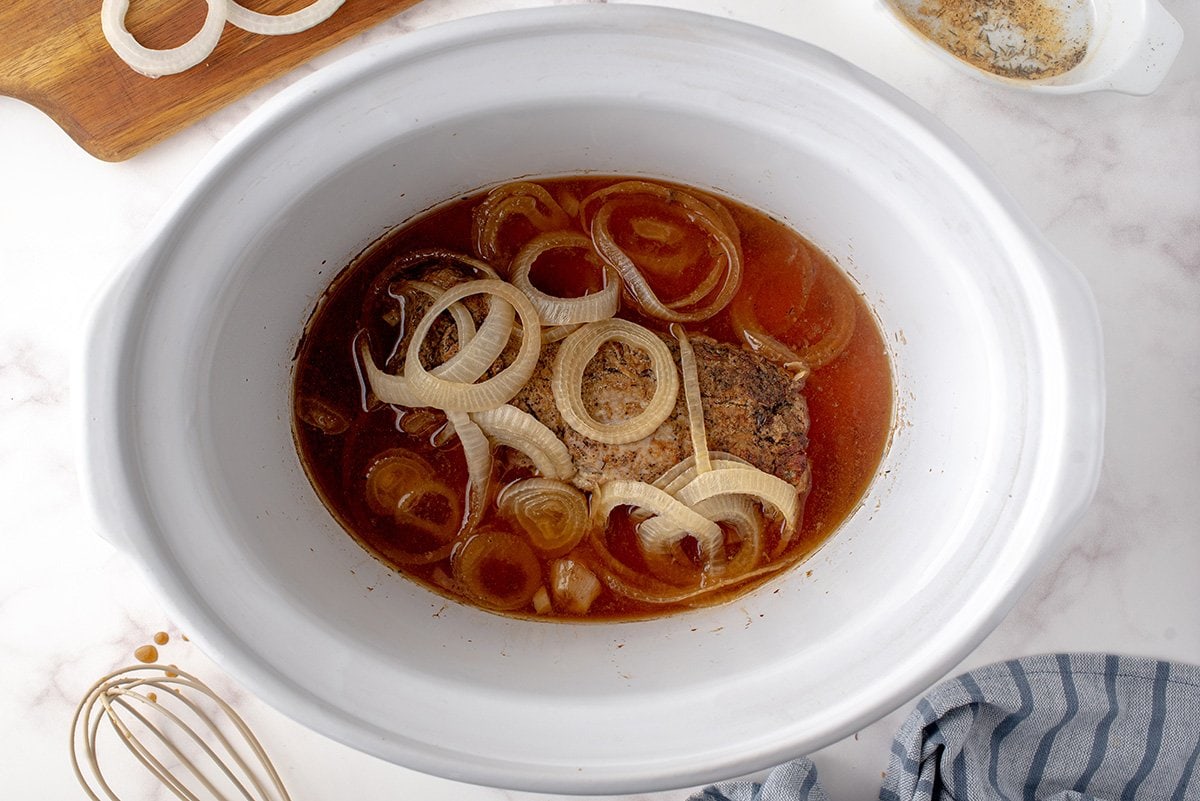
{"x":1026,"y":39}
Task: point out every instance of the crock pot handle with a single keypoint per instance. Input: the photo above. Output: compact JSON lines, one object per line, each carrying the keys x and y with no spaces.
{"x":1151,"y":56}
{"x":1083,"y":366}
{"x":98,"y":412}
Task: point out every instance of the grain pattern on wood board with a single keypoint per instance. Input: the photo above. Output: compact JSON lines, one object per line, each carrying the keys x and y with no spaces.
{"x":54,"y":56}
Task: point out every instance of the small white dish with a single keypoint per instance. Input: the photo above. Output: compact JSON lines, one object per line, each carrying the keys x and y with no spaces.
{"x":1129,"y":44}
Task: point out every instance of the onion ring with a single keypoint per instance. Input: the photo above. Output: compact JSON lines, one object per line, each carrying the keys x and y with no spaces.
{"x":152,"y":62}
{"x":556,"y":311}
{"x":462,"y":396}
{"x":802,"y":360}
{"x":727,"y":268}
{"x":682,"y":519}
{"x":522,"y":198}
{"x":553,"y":514}
{"x":478,"y":453}
{"x":623,"y":580}
{"x":572,"y":360}
{"x":477,"y":351}
{"x":281,"y":24}
{"x":512,"y":427}
{"x":473,"y":557}
{"x":691,"y":394}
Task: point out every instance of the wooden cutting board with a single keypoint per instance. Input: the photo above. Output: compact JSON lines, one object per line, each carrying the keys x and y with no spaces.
{"x":54,"y":56}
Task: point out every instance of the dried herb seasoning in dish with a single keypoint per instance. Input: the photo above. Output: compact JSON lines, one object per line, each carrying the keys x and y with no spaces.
{"x":1023,"y":39}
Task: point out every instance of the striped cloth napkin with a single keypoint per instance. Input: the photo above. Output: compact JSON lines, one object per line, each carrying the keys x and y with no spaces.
{"x":1056,"y":727}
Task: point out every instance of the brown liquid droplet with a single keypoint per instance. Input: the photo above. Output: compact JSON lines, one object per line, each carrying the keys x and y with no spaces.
{"x":152,"y":696}
{"x":161,"y":638}
{"x":146,"y":653}
{"x":170,"y":673}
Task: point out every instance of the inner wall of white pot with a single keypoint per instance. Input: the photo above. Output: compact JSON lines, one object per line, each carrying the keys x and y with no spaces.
{"x":307,"y":604}
{"x":298,"y":551}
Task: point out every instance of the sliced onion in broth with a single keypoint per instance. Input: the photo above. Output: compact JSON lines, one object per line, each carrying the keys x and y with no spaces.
{"x":555,"y":311}
{"x":553,"y":514}
{"x":566,"y":381}
{"x":512,"y":427}
{"x":480,"y":556}
{"x":520,"y":198}
{"x":465,"y":396}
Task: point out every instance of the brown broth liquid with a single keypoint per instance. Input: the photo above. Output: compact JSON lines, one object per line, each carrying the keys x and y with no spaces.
{"x":340,"y":431}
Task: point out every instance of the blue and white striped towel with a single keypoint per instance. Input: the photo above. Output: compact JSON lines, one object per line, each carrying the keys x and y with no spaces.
{"x":1058,"y":727}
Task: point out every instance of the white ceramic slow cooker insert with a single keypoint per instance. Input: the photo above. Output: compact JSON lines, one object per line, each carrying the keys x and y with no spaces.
{"x":192,"y":470}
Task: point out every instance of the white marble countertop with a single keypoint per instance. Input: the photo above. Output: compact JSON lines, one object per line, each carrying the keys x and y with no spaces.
{"x":1113,"y":181}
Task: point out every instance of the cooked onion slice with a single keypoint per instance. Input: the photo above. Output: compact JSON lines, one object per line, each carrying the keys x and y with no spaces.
{"x":557,"y":332}
{"x":415,"y":258}
{"x":155,"y":63}
{"x":478,"y":453}
{"x":405,"y":516}
{"x":843,"y":317}
{"x":682,"y":473}
{"x":553,"y":514}
{"x":574,"y":586}
{"x":758,"y":484}
{"x":739,"y":513}
{"x":745,"y":518}
{"x":507,"y":425}
{"x":672,"y":251}
{"x":392,"y":478}
{"x":385,"y":386}
{"x":402,"y":485}
{"x":691,"y":394}
{"x":321,"y":416}
{"x":471,"y":361}
{"x":463,"y":321}
{"x":577,"y":351}
{"x":462,"y":395}
{"x":688,"y":199}
{"x":552,"y":334}
{"x":720,"y":494}
{"x":728,"y":269}
{"x":624,"y":580}
{"x":477,"y":351}
{"x":830,"y":345}
{"x":753,"y":334}
{"x":680,"y":519}
{"x":420,"y":422}
{"x":520,"y":198}
{"x":724,"y":277}
{"x":706,"y":285}
{"x":281,"y":24}
{"x":556,"y":311}
{"x":390,"y":293}
{"x":541,"y":602}
{"x":497,"y":569}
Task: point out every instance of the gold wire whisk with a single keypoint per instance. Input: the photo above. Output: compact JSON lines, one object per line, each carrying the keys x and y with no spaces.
{"x":129,"y":700}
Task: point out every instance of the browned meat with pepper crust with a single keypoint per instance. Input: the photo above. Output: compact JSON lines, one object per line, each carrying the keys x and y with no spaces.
{"x":753,"y":409}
